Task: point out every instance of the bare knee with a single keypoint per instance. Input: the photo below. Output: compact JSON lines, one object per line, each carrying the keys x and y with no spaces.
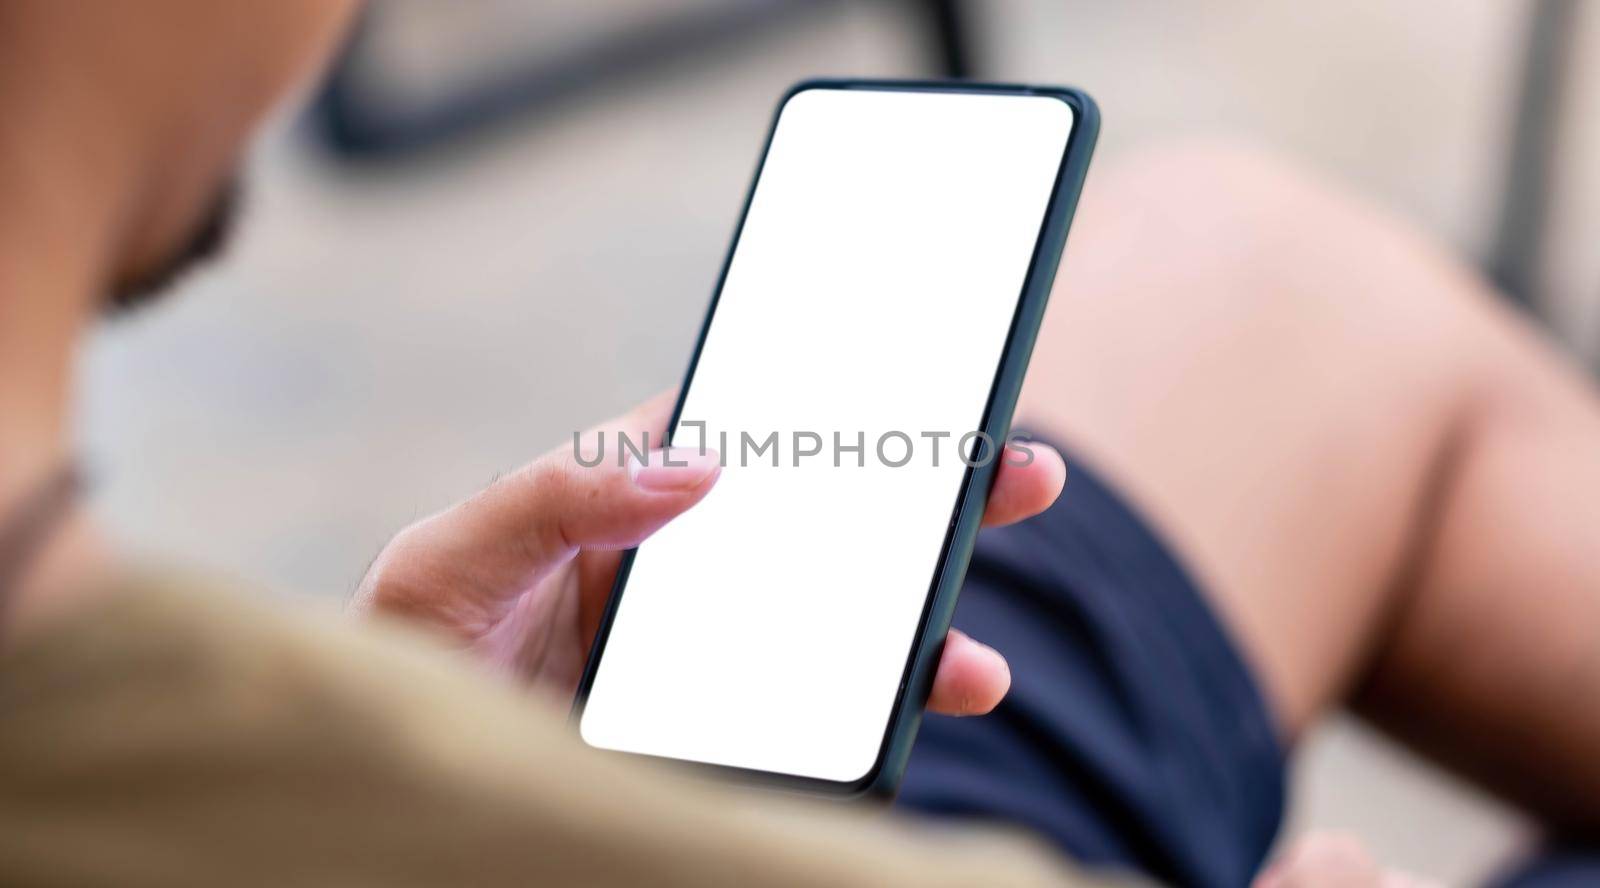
{"x":1270,"y":366}
{"x":1223,"y":255}
{"x":1242,"y":229}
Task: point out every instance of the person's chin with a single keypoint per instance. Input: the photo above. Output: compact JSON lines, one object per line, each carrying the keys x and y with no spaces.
{"x":207,"y":240}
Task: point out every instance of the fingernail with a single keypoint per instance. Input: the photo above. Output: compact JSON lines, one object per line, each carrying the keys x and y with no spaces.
{"x":1004,"y":664}
{"x":675,"y":468}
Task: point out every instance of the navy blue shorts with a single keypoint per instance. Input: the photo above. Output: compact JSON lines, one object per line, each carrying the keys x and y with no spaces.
{"x":1134,"y":735}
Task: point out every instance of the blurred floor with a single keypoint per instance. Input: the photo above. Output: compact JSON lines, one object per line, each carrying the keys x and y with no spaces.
{"x":383,"y":343}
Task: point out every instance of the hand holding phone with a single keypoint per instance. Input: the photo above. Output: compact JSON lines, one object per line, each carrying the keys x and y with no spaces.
{"x":520,"y":573}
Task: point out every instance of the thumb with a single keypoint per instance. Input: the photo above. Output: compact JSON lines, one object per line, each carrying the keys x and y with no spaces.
{"x":468,"y":564}
{"x":559,"y":504}
{"x":537,"y":518}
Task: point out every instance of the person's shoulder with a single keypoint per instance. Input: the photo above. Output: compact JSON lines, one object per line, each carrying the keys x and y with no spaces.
{"x":179,"y":731}
{"x":181,"y":650}
{"x":175,"y":717}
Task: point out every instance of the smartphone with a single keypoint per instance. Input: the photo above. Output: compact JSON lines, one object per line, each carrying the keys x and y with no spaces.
{"x":857,"y":372}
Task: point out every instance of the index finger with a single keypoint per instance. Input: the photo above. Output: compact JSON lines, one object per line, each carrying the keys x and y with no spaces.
{"x":1028,"y":481}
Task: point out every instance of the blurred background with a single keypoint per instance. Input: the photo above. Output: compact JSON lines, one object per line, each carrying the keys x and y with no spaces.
{"x":486,"y":194}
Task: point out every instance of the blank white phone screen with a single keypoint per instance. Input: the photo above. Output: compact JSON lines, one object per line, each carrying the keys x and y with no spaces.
{"x":870,"y":293}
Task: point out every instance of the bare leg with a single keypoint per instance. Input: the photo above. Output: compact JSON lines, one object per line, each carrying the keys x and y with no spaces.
{"x":1389,"y":486}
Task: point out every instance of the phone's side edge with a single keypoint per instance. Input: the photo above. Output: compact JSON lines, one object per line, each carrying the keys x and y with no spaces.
{"x":907,"y":720}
